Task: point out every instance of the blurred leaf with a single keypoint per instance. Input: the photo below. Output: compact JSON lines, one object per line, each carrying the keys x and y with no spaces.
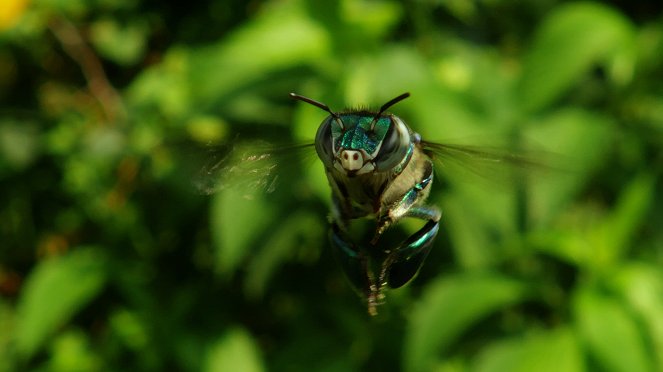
{"x":235,"y":351}
{"x":641,"y":284}
{"x":71,"y":8}
{"x":612,"y":335}
{"x":570,"y":41}
{"x":556,"y":350}
{"x":72,"y":351}
{"x":104,"y":143}
{"x":19,"y":144}
{"x":163,"y":86}
{"x":276,"y":39}
{"x":124,"y":44}
{"x":282,"y":245}
{"x":622,"y":225}
{"x":580,"y":139}
{"x":597,"y":241}
{"x":448,"y":307}
{"x":7,"y":323}
{"x":237,"y":222}
{"x":129,"y":329}
{"x":478,"y":220}
{"x":206,"y":129}
{"x":56,"y":290}
{"x":63,"y":139}
{"x":384,"y":15}
{"x":365,"y":81}
{"x":442,"y":115}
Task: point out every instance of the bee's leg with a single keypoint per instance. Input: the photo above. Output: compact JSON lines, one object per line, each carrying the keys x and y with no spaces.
{"x":405,"y":206}
{"x":355,"y":264}
{"x":336,"y":217}
{"x":342,"y":213}
{"x":403,"y":262}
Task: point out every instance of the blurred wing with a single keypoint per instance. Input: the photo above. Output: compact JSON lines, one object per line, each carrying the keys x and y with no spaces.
{"x":254,"y":167}
{"x":487,"y":163}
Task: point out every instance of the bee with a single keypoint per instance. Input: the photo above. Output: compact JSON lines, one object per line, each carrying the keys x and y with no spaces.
{"x":377,"y":168}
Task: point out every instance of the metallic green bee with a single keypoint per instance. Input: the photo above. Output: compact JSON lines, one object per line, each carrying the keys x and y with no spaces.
{"x":377,"y":168}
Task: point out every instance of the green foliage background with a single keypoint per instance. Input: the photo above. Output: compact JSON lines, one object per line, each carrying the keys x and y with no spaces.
{"x":111,"y":260}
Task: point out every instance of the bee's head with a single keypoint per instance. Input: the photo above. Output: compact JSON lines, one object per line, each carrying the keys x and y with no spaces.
{"x":361,"y":142}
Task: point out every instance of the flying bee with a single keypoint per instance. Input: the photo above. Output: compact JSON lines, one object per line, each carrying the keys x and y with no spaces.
{"x":378,"y":169}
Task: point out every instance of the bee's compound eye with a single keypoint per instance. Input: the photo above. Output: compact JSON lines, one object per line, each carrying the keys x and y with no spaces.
{"x":390,"y":142}
{"x":394,"y":146}
{"x":323,"y":142}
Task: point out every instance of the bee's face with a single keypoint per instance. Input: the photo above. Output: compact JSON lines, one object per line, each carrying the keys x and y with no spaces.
{"x":357,"y":143}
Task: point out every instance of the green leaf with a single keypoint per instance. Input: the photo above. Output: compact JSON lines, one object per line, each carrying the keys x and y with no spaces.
{"x":122,"y":43}
{"x":19,"y":143}
{"x":365,"y":82}
{"x":448,"y":308}
{"x":641,"y":285}
{"x":619,"y":230}
{"x":237,"y":220}
{"x":280,"y":247}
{"x":164,"y":86}
{"x":235,"y":351}
{"x":384,"y":15}
{"x":556,"y":350}
{"x":578,"y":142}
{"x":610,"y":332}
{"x":70,"y":8}
{"x":478,"y":219}
{"x":600,"y":241}
{"x":570,"y":41}
{"x":7,"y":321}
{"x":276,"y":39}
{"x":72,"y":351}
{"x":56,"y":290}
{"x":129,"y":329}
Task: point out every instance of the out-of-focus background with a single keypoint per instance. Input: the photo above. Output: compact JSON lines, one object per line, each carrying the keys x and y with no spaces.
{"x":113,"y":257}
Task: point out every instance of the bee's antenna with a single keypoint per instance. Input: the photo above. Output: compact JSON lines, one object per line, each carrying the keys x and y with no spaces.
{"x":386,"y":106}
{"x":316,"y":104}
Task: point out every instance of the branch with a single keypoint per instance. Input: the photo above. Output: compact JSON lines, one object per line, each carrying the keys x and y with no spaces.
{"x":100,"y":88}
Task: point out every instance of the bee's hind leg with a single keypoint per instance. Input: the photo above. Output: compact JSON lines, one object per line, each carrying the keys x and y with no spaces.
{"x":355,"y":264}
{"x":402,"y":263}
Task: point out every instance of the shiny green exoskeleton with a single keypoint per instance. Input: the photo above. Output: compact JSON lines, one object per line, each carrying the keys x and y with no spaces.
{"x":377,"y":168}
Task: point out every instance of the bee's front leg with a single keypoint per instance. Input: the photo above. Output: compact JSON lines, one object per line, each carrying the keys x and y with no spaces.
{"x":405,"y":205}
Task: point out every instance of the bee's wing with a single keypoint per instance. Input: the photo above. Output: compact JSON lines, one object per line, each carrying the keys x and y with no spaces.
{"x":254,"y":166}
{"x":487,"y":163}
